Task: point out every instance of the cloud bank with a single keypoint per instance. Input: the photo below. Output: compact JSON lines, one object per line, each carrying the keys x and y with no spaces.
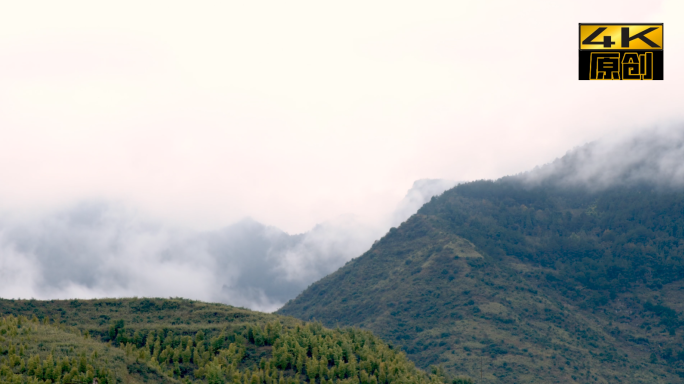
{"x":102,"y":249}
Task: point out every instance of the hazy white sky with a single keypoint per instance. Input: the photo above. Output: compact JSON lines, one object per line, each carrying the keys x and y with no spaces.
{"x":293,"y":113}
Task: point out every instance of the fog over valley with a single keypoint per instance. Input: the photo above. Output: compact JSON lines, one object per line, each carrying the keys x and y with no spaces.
{"x":104,"y":249}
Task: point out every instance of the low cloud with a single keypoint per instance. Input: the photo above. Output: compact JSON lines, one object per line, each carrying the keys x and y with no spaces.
{"x":421,"y":192}
{"x":102,"y":249}
{"x":654,"y":157}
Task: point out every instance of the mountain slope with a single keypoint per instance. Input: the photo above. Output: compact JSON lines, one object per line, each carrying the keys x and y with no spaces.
{"x":174,"y":341}
{"x":549,"y":283}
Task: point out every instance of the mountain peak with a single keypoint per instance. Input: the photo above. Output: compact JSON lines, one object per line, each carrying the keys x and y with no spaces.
{"x":543,"y":284}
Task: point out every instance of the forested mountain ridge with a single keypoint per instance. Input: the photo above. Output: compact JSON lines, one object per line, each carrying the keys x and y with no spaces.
{"x":183,"y":341}
{"x":551,"y":282}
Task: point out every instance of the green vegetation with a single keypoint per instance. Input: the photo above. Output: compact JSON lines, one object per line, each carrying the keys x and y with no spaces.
{"x":182,"y":341}
{"x":33,"y":352}
{"x":544,"y":284}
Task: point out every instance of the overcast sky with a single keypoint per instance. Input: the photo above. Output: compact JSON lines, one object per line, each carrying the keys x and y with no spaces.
{"x":293,"y":113}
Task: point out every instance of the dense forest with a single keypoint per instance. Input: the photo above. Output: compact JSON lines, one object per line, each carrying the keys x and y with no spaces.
{"x":547,"y":282}
{"x":182,"y":341}
{"x":609,"y":241}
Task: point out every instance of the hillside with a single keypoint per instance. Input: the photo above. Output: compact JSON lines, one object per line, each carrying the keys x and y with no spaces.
{"x":541,"y":282}
{"x":183,"y":341}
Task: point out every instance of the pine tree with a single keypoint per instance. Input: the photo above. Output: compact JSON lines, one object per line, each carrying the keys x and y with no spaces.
{"x":82,"y":364}
{"x":311,"y":369}
{"x":300,"y":363}
{"x":214,"y":374}
{"x":199,"y":337}
{"x":186,"y":356}
{"x":323,"y":367}
{"x":176,"y":354}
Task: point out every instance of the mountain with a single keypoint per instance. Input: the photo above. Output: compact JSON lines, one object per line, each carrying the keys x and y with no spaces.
{"x":102,"y":249}
{"x":183,"y":341}
{"x":570,"y":273}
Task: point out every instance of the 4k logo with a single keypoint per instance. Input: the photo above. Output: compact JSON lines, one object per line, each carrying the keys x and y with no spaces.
{"x":621,"y":51}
